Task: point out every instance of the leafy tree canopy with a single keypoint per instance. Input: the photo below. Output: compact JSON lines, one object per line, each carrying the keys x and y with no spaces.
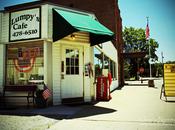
{"x":135,"y":41}
{"x":170,"y":62}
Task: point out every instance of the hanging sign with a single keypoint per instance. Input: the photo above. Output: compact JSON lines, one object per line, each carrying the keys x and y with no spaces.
{"x":25,"y":24}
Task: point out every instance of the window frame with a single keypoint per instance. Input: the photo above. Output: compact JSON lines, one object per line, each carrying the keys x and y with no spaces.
{"x":112,"y":68}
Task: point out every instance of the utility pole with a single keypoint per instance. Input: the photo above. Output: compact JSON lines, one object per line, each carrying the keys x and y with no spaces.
{"x":150,"y":71}
{"x":162,"y":57}
{"x":162,"y":63}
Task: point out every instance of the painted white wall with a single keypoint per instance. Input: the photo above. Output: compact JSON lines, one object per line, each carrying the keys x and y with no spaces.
{"x":44,"y":18}
{"x":0,"y":25}
{"x":111,"y":52}
{"x":92,"y":82}
{"x":2,"y":56}
{"x":50,"y":23}
{"x":56,"y":73}
{"x":48,"y":64}
{"x":5,"y":28}
{"x":2,"y":68}
{"x":87,"y":79}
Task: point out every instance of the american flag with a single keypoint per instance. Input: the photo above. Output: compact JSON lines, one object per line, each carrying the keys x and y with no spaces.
{"x":46,"y":93}
{"x":147,"y":31}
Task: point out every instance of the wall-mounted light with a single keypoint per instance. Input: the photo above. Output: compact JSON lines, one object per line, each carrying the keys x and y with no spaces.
{"x":72,"y":36}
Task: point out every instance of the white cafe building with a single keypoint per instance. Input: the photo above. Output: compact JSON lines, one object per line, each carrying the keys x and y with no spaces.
{"x":65,"y":48}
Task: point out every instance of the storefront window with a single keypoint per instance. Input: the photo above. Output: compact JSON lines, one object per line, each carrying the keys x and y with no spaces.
{"x":103,"y":64}
{"x":24,"y":63}
{"x":98,"y":61}
{"x":113,"y":69}
{"x":106,"y":62}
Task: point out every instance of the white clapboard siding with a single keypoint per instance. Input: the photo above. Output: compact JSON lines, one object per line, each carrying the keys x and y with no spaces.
{"x":1,"y":27}
{"x":48,"y":64}
{"x":92,"y":85}
{"x":80,"y":37}
{"x":87,"y":83}
{"x":5,"y":27}
{"x":50,"y":21}
{"x":56,"y":73}
{"x":1,"y":57}
{"x":44,"y":21}
{"x":2,"y":62}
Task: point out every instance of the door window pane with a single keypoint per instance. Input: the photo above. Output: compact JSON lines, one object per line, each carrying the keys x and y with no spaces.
{"x":76,"y":70}
{"x":72,"y":70}
{"x":72,"y":61}
{"x":76,"y":62}
{"x":67,"y":61}
{"x":68,"y":70}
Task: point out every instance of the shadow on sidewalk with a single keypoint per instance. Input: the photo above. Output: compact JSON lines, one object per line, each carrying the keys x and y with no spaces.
{"x":59,"y":112}
{"x":90,"y":110}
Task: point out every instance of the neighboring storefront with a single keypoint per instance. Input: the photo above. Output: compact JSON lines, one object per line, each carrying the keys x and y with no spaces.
{"x":61,"y":47}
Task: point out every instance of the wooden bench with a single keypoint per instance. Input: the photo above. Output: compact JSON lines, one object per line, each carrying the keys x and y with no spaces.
{"x":30,"y":89}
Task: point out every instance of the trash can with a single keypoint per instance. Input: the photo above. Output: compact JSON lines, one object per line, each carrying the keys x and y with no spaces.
{"x":150,"y":83}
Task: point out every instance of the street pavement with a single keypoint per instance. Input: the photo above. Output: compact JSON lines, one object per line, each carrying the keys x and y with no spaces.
{"x":134,"y":107}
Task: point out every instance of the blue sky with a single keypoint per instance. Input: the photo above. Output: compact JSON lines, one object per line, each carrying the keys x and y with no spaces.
{"x":5,"y":3}
{"x":161,"y":22}
{"x":134,"y":12}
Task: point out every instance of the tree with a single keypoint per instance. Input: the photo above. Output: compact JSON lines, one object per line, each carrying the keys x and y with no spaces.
{"x":159,"y":69}
{"x":135,"y":41}
{"x":170,"y":62}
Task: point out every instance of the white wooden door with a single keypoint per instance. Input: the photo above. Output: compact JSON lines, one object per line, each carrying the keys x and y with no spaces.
{"x":72,"y":72}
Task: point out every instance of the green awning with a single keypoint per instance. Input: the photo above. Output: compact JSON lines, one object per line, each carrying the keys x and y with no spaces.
{"x":66,"y":22}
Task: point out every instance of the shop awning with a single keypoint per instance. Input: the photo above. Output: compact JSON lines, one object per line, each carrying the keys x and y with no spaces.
{"x":66,"y":22}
